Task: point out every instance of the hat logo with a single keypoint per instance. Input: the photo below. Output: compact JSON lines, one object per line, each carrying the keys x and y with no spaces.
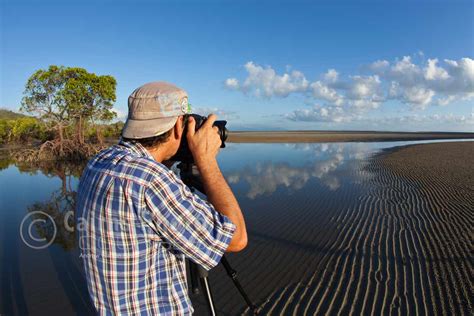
{"x":184,"y":105}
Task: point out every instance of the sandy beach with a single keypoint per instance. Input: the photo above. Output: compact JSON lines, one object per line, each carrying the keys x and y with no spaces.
{"x":400,"y":245}
{"x":337,"y":136}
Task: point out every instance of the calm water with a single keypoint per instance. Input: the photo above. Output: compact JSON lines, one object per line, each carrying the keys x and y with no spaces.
{"x":286,"y":191}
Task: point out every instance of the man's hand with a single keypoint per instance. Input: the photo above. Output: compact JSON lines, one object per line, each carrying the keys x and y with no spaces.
{"x":205,"y":142}
{"x":204,"y":145}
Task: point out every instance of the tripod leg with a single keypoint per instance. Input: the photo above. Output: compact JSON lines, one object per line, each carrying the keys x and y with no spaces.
{"x":208,"y":295}
{"x":199,"y":276}
{"x":233,"y":275}
{"x":194,"y":276}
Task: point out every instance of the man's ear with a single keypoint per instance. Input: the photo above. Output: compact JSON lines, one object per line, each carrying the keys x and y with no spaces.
{"x":178,"y":127}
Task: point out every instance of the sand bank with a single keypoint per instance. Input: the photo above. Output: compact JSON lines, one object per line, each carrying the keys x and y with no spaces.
{"x":337,"y":136}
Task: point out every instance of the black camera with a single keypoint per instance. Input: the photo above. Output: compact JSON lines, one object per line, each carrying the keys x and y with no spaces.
{"x":184,"y":154}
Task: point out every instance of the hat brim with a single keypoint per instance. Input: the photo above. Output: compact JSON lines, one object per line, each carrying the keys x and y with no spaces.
{"x":136,"y":129}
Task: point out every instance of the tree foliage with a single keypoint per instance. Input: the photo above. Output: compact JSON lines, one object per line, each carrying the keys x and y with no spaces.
{"x":63,"y":95}
{"x":21,"y":130}
{"x":68,"y":101}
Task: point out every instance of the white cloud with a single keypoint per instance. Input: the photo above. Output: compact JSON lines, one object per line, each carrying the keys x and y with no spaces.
{"x":379,"y":65}
{"x":419,"y":85}
{"x":121,"y":115}
{"x":331,"y":76}
{"x":417,"y":119}
{"x":320,"y":113}
{"x":365,"y":92}
{"x":221,"y":114}
{"x":363,"y":87}
{"x":405,"y":72}
{"x":421,"y":121}
{"x":322,"y":92}
{"x":343,"y":115}
{"x":267,"y":83}
{"x":433,"y":72}
{"x":461,"y":77}
{"x":231,"y":83}
{"x":416,"y":95}
{"x":446,"y":100}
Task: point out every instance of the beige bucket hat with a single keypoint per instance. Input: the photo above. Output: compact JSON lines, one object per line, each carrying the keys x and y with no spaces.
{"x":153,"y":109}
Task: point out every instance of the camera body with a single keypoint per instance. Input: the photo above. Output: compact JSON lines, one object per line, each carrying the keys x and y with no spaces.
{"x":184,"y":154}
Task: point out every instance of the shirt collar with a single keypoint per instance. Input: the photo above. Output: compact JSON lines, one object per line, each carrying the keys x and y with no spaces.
{"x":136,"y":148}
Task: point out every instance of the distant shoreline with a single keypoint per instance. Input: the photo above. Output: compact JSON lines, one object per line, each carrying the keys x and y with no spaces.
{"x":338,"y":136}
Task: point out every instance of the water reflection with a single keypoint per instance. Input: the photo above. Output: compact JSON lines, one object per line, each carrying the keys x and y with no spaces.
{"x":59,"y":205}
{"x":266,"y":177}
{"x":320,"y":162}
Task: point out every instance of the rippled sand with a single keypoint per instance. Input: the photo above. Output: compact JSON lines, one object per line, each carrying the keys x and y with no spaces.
{"x":400,"y":243}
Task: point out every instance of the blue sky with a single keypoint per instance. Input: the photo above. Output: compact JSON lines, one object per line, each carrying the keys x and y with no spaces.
{"x":377,"y":65}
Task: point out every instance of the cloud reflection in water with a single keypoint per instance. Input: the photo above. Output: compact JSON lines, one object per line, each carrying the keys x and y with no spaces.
{"x":265,"y":177}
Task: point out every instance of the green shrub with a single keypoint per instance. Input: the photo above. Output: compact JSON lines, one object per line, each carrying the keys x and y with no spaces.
{"x":26,"y":129}
{"x":6,"y":127}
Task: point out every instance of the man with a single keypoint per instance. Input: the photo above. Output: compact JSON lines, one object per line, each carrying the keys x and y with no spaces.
{"x":140,"y":221}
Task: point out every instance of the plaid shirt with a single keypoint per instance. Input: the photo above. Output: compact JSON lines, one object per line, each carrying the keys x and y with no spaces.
{"x":137,"y":222}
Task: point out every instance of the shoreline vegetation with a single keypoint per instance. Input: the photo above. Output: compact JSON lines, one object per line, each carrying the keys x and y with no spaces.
{"x":68,"y":114}
{"x":32,"y":144}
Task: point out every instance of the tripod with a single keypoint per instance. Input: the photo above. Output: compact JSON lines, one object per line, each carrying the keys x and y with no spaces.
{"x":199,"y":276}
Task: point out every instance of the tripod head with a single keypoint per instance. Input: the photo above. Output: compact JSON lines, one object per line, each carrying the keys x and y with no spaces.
{"x":190,"y":176}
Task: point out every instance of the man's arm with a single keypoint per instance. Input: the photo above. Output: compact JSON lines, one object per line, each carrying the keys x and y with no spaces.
{"x":204,"y":145}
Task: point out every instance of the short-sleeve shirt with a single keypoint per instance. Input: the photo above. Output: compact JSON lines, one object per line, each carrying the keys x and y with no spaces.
{"x":137,"y":222}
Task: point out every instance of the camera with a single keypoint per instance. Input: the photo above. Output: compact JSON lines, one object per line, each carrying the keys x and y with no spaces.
{"x":184,"y":154}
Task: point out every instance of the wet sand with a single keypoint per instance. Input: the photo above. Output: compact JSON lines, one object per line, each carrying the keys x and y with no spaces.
{"x":429,"y":189}
{"x":337,"y":136}
{"x":402,"y":244}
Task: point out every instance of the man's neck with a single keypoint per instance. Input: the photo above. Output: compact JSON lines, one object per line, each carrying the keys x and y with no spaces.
{"x":160,"y":154}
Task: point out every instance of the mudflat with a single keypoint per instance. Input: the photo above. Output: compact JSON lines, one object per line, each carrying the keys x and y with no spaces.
{"x":336,"y":136}
{"x":432,"y":191}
